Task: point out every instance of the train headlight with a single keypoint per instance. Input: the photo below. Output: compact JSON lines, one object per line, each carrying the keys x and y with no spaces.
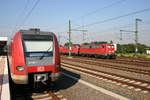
{"x":20,"y":68}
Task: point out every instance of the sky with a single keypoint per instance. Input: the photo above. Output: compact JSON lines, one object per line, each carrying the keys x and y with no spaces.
{"x":103,"y":19}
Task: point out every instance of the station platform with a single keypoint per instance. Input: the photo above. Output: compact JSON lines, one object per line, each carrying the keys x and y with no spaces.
{"x":4,"y":79}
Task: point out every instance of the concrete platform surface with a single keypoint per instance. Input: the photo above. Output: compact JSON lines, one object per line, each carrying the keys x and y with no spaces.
{"x":4,"y":79}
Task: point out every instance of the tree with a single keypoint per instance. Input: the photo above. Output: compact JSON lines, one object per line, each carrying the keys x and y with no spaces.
{"x":99,"y":42}
{"x":130,"y":48}
{"x":67,"y":44}
{"x":111,"y":42}
{"x":85,"y":43}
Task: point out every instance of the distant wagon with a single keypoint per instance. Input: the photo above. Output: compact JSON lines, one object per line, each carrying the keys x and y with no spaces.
{"x":98,"y":50}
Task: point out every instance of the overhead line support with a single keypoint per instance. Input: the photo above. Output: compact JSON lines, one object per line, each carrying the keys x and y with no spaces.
{"x":136,"y":34}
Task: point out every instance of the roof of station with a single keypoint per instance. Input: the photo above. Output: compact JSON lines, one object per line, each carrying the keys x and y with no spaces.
{"x":3,"y":38}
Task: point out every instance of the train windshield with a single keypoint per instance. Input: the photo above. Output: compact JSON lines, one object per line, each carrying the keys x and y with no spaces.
{"x":38,"y":46}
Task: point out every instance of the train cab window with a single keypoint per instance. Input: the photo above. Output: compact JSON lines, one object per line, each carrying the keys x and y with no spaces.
{"x":112,"y":46}
{"x":108,"y":46}
{"x":96,"y":47}
{"x":38,"y":46}
{"x":38,"y":49}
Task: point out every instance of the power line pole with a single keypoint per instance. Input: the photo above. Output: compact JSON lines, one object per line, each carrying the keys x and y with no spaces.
{"x":136,"y":35}
{"x":83,"y":37}
{"x":81,"y":31}
{"x":59,"y":38}
{"x":69,"y":38}
{"x":121,"y":35}
{"x":121,"y":51}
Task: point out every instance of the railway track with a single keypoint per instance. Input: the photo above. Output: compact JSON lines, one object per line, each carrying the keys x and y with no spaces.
{"x":111,"y":76}
{"x":136,"y":83}
{"x":133,"y":79}
{"x":47,"y":96}
{"x":107,"y":65}
{"x":139,"y":63}
{"x":128,"y":61}
{"x":137,"y":86}
{"x":135,"y":59}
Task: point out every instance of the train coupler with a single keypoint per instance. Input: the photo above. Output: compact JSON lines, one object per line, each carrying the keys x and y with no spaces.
{"x":41,"y":78}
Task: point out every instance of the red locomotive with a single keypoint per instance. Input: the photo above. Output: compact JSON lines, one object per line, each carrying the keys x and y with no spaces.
{"x":98,"y":50}
{"x":34,"y":57}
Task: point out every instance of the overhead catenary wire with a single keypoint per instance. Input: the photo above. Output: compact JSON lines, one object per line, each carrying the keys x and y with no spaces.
{"x":28,"y":14}
{"x":95,"y":11}
{"x":116,"y":18}
{"x":131,"y":25}
{"x":100,"y":9}
{"x":20,"y":14}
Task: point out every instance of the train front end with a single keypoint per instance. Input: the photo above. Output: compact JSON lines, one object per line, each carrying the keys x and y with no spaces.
{"x":110,"y":51}
{"x":40,"y":61}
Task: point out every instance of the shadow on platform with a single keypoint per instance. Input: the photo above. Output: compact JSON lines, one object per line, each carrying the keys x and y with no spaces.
{"x":4,"y":79}
{"x":65,"y":82}
{"x":24,"y":92}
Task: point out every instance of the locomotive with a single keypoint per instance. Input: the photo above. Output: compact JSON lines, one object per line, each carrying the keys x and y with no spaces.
{"x":97,"y":50}
{"x":33,"y":57}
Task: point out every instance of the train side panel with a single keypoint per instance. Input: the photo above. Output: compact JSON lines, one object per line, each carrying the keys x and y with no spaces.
{"x":17,"y":59}
{"x":55,"y":75}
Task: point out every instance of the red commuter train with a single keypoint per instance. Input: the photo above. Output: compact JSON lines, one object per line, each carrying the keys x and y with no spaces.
{"x":98,"y":50}
{"x":34,"y":57}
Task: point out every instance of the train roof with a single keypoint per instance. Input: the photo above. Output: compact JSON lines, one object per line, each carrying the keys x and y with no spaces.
{"x":96,"y":44}
{"x":3,"y":38}
{"x":35,"y":32}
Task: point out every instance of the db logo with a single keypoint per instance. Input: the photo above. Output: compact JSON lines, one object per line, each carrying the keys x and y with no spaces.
{"x":40,"y":68}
